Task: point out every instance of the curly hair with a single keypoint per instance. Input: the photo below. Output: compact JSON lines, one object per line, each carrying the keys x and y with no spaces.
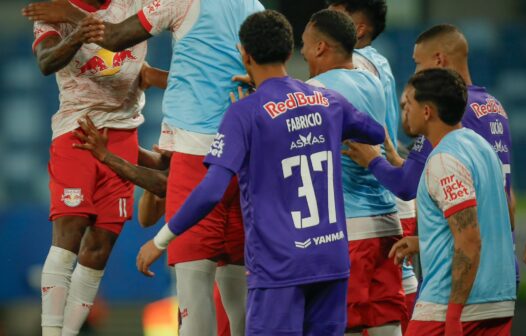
{"x":267,"y":37}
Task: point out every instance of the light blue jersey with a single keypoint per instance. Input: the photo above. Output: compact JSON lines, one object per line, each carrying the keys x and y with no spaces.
{"x":464,"y":171}
{"x":364,"y":195}
{"x":383,"y":69}
{"x":204,"y":57}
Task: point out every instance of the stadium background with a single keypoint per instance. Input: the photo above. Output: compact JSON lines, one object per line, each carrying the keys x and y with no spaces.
{"x":496,"y":31}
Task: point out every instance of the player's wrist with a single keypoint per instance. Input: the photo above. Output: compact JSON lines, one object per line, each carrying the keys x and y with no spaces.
{"x":454,"y":312}
{"x":163,"y":238}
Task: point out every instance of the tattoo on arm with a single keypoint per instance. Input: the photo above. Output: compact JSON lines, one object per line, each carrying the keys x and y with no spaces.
{"x":146,"y":178}
{"x":126,"y":34}
{"x":466,"y":257}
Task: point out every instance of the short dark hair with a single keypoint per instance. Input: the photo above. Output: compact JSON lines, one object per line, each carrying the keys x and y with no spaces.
{"x":436,"y":31}
{"x":337,"y":26}
{"x":267,"y":37}
{"x":374,"y":10}
{"x":445,"y":89}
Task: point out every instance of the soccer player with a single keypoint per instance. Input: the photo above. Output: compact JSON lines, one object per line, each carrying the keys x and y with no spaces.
{"x":204,"y":59}
{"x":463,"y":223}
{"x":444,"y":46}
{"x":375,"y":298}
{"x":369,"y":17}
{"x":283,"y":142}
{"x":89,"y":202}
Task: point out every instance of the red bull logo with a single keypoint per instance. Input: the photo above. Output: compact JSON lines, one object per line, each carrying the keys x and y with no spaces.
{"x":106,"y":63}
{"x":72,"y":197}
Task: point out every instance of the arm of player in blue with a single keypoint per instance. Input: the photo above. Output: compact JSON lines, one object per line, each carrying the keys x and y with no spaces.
{"x":202,"y":199}
{"x":401,"y":181}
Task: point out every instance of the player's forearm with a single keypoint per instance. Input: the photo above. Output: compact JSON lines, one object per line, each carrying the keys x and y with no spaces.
{"x":512,"y":203}
{"x":401,"y":181}
{"x":466,"y":256}
{"x":146,"y":178}
{"x":153,"y":160}
{"x":54,"y":54}
{"x":126,"y":34}
{"x":157,"y":77}
{"x":202,"y":199}
{"x":151,"y":209}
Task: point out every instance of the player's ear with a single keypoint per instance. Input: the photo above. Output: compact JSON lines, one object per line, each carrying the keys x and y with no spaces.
{"x":321,"y":47}
{"x":244,"y":56}
{"x":361,"y":31}
{"x":440,"y":60}
{"x":428,"y":111}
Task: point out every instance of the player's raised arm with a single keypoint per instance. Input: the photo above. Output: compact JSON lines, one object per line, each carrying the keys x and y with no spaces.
{"x":52,"y":51}
{"x":58,"y":11}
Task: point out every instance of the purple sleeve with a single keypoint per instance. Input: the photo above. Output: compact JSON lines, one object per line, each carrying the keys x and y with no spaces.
{"x":401,"y":181}
{"x":202,"y":200}
{"x":359,"y":126}
{"x":231,"y":144}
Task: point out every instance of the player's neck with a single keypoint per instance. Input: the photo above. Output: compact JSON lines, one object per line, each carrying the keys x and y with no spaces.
{"x":261,"y":73}
{"x":363,"y":42}
{"x":336,"y":63}
{"x":438,"y":130}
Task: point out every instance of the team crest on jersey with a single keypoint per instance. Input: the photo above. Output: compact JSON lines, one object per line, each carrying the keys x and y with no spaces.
{"x":105,"y":63}
{"x":72,"y":197}
{"x":216,"y":149}
{"x":307,"y":140}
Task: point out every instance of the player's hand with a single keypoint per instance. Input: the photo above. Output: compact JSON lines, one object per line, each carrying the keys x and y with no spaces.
{"x":163,"y":152}
{"x":92,"y":139}
{"x":240,"y":93}
{"x":403,"y":248}
{"x":91,"y":29}
{"x":148,"y":254}
{"x":362,"y":154}
{"x":245,"y":79}
{"x":58,"y":11}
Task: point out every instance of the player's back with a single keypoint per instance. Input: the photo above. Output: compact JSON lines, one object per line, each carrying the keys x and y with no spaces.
{"x":364,"y":195}
{"x":384,"y":73}
{"x":290,"y":184}
{"x":205,"y":57}
{"x":495,"y":279}
{"x":486,"y":116}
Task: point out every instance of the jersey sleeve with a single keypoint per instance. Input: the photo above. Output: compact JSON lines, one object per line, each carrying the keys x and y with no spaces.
{"x":420,"y":150}
{"x":231,"y":144}
{"x":42,"y":30}
{"x":359,"y":126}
{"x":450,"y":184}
{"x":160,"y":15}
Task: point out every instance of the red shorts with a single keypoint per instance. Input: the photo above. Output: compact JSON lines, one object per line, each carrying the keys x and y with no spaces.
{"x":410,"y":300}
{"x":491,"y":327}
{"x":80,"y":185}
{"x":409,"y":226}
{"x":375,"y":295}
{"x":220,"y":235}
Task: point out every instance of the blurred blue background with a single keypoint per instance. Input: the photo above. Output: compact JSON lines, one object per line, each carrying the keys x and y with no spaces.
{"x":496,"y":31}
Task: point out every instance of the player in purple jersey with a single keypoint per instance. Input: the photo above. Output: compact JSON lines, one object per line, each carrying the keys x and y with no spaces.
{"x":444,"y":46}
{"x":283,"y":142}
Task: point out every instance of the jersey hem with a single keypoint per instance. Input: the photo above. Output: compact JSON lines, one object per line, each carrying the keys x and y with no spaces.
{"x":44,"y":36}
{"x":459,"y":207}
{"x":144,"y":21}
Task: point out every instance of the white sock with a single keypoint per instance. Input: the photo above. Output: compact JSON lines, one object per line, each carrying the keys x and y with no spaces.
{"x":232,"y":283}
{"x":84,"y":286}
{"x":195,"y":292}
{"x":386,"y":330}
{"x":56,"y":277}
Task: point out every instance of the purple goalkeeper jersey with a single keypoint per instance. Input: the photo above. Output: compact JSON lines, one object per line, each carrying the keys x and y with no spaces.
{"x":485,"y":115}
{"x":284,"y":142}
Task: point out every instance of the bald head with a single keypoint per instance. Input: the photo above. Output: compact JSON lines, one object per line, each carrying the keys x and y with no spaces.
{"x":442,"y":46}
